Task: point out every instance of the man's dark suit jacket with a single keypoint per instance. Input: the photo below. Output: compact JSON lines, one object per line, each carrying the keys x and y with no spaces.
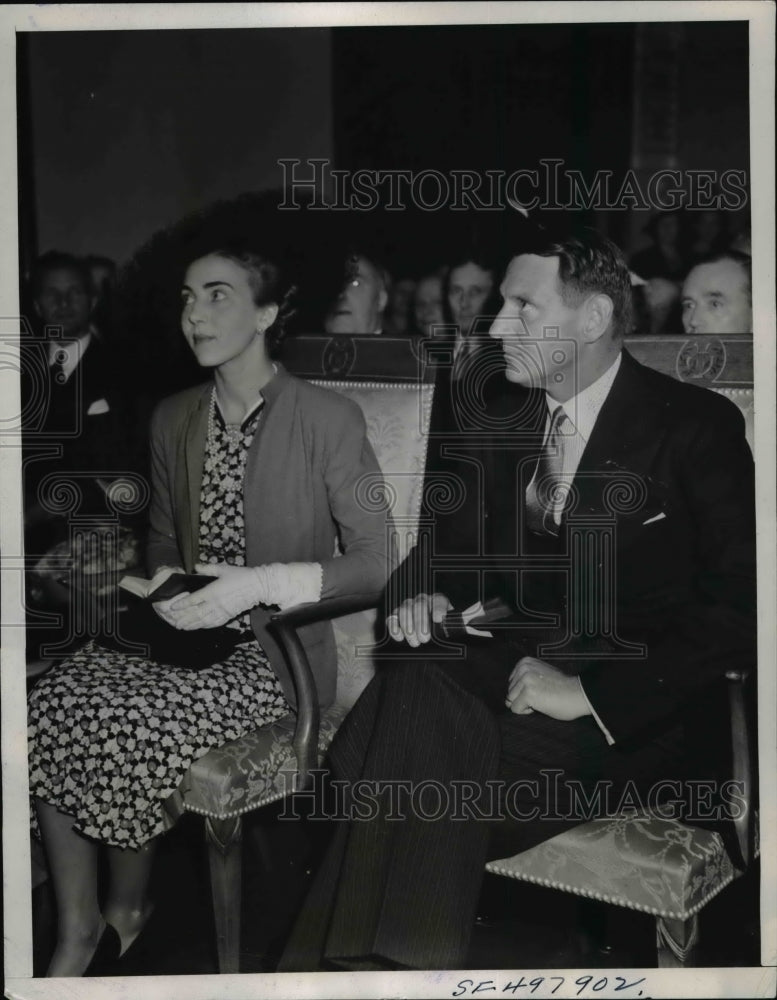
{"x":668,"y":468}
{"x":84,"y":427}
{"x":462,"y":413}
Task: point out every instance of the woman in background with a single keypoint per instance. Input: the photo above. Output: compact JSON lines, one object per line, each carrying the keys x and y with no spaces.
{"x":254,"y":478}
{"x":427,"y":304}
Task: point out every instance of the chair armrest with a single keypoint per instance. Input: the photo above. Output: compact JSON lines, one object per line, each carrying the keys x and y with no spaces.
{"x":333,"y":607}
{"x":743,"y":769}
{"x":285,"y":624}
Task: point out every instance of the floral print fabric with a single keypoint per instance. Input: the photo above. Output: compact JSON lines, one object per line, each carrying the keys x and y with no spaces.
{"x":112,"y":735}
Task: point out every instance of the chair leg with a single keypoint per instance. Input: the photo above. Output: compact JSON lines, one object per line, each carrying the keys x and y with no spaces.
{"x":593,"y":927}
{"x":677,"y":942}
{"x":224,"y":838}
{"x":260,"y":841}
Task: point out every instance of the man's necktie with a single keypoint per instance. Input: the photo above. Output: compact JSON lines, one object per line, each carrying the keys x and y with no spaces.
{"x":547,"y":492}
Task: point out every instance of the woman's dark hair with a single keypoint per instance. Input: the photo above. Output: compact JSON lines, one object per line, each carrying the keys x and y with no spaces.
{"x":267,"y":280}
{"x":272,"y":245}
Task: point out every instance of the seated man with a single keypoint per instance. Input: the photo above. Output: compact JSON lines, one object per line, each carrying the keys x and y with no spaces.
{"x":618,"y":527}
{"x":80,"y":425}
{"x":360,"y":306}
{"x":77,"y":409}
{"x":717,"y":295}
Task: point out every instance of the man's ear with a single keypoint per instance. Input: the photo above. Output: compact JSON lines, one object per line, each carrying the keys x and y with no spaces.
{"x":266,"y":316}
{"x":598,"y":316}
{"x":382,"y":301}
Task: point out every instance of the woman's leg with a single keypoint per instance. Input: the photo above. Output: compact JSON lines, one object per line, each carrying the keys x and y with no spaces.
{"x":73,"y":862}
{"x":128,"y":907}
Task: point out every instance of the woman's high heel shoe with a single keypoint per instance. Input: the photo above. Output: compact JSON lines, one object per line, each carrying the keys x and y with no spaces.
{"x":106,"y":954}
{"x":136,"y":956}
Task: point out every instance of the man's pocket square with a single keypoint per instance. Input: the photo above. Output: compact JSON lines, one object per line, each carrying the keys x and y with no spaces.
{"x":658,"y":517}
{"x":98,"y":407}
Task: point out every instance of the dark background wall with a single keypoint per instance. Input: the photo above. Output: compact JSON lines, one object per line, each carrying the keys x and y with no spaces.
{"x":482,"y":98}
{"x":130,"y":130}
{"x":123,"y":132}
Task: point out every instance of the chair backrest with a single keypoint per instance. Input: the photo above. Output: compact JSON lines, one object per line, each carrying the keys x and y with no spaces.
{"x":394,"y":386}
{"x":722,"y":363}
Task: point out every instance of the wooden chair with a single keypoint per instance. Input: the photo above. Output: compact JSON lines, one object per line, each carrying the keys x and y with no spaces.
{"x":394,"y":387}
{"x":649,"y":862}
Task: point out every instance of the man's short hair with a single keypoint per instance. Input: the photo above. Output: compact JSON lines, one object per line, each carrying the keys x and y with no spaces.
{"x":589,"y":264}
{"x":57,"y":260}
{"x":744,"y":260}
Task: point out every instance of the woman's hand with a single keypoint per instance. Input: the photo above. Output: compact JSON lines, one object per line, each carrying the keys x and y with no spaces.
{"x":237,"y":589}
{"x":162,"y":608}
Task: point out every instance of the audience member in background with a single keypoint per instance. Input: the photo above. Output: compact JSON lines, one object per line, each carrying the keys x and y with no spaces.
{"x":468,"y":287}
{"x":717,"y":295}
{"x":743,"y":241}
{"x":662,"y":267}
{"x":103,"y":274}
{"x":427,"y":304}
{"x":664,"y":259}
{"x":709,"y":234}
{"x":78,"y":435}
{"x":399,"y":310}
{"x":661,"y":298}
{"x":360,"y":306}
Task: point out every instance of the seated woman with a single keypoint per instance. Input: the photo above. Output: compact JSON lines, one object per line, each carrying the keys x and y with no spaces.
{"x":255,"y":478}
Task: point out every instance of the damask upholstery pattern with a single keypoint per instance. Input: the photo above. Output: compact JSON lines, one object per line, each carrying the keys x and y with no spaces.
{"x":397,"y":427}
{"x":260,"y":767}
{"x":642,"y":862}
{"x":248,"y":773}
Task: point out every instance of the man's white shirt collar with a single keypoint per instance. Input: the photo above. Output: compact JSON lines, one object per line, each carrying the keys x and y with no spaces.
{"x":583,"y":409}
{"x":73,"y":351}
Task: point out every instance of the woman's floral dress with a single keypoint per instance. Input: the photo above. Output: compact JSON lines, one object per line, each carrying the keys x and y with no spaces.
{"x":111,"y":735}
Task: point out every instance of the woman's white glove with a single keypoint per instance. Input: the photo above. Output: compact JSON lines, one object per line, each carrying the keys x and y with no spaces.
{"x":240,"y":588}
{"x":162,"y":608}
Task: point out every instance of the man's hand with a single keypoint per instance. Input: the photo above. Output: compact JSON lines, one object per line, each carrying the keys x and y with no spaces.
{"x":536,"y":686}
{"x":413,"y":619}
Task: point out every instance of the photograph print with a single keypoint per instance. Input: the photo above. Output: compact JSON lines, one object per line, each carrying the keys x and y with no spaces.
{"x":388,"y":425}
